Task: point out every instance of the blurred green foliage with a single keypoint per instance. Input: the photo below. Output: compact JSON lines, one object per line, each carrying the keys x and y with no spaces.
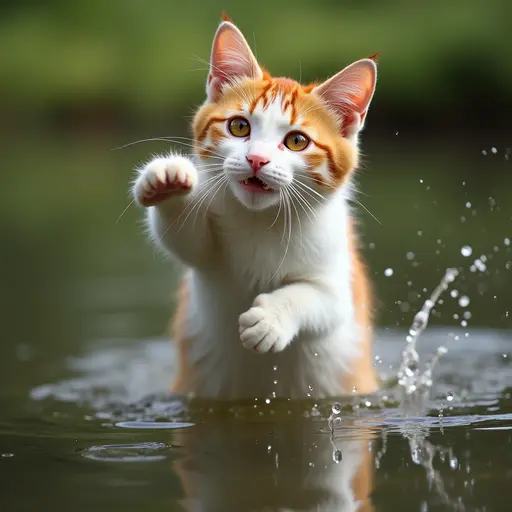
{"x":139,"y":55}
{"x":142,"y":64}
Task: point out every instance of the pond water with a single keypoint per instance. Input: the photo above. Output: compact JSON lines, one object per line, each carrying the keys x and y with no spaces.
{"x":108,"y":437}
{"x":85,"y":421}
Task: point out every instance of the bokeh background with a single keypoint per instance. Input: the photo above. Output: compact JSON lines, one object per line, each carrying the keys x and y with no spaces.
{"x":80,"y":78}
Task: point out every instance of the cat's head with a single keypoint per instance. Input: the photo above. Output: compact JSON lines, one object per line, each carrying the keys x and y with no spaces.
{"x":273,"y":137}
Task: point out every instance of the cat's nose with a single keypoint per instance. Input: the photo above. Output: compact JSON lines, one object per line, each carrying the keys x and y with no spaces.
{"x":257,"y":162}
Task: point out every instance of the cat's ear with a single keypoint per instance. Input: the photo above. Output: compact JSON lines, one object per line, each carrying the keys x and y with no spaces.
{"x":231,"y":59}
{"x":349,"y":93}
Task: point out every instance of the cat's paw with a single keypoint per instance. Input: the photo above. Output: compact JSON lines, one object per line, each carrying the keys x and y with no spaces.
{"x":261,"y":329}
{"x":163,"y":178}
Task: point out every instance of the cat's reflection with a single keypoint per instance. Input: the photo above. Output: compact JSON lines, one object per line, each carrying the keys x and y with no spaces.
{"x":239,"y":466}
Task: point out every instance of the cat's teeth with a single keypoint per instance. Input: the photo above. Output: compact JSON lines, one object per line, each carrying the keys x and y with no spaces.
{"x":265,"y":187}
{"x":246,"y":181}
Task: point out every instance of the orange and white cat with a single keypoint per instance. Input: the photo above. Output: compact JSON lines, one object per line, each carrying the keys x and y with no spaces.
{"x":275,"y":300}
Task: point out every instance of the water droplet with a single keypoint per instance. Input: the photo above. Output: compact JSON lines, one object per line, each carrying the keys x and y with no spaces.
{"x":410,"y":255}
{"x":466,"y":251}
{"x":336,"y":421}
{"x":415,"y":455}
{"x":454,"y":293}
{"x":7,"y":455}
{"x":468,"y":205}
{"x":449,"y":396}
{"x":454,"y":463}
{"x":480,"y":265}
{"x":311,"y":465}
{"x":275,"y":367}
{"x":467,"y":315}
{"x":354,"y":390}
{"x":419,"y":323}
{"x":336,"y":456}
{"x":484,"y":152}
{"x":506,"y":241}
{"x":494,"y":150}
{"x":368,"y":403}
{"x":420,"y":232}
{"x":388,"y":272}
{"x":464,"y":301}
{"x":336,"y":408}
{"x":267,"y":400}
{"x":269,"y":448}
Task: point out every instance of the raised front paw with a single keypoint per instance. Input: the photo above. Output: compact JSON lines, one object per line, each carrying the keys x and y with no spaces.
{"x":163,"y":178}
{"x":261,"y":329}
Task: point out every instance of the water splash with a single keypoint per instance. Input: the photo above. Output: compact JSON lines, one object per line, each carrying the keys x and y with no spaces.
{"x":410,"y":378}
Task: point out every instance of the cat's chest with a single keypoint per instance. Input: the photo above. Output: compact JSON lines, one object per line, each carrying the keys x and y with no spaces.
{"x":263,"y":256}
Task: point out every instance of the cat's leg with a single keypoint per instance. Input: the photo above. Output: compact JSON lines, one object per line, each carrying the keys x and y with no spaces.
{"x":168,"y":187}
{"x":276,"y":318}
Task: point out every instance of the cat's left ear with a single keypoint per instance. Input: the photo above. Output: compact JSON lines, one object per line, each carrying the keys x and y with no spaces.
{"x":349,"y":94}
{"x":231,"y":59}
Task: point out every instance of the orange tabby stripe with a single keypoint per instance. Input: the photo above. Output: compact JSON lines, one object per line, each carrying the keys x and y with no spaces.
{"x":204,"y":130}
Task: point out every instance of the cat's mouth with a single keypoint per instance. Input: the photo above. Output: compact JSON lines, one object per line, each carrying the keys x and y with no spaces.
{"x":256,"y":185}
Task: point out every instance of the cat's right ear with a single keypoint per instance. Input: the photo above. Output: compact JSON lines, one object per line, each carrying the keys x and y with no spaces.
{"x":231,"y":59}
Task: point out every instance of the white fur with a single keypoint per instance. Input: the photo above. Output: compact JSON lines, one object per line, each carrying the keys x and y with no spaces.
{"x":271,"y":307}
{"x":255,"y":278}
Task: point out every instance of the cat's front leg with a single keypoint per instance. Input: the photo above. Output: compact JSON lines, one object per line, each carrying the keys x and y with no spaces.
{"x":276,"y":318}
{"x":168,"y":187}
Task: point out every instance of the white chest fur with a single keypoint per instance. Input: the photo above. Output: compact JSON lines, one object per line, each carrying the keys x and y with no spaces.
{"x":251,"y":259}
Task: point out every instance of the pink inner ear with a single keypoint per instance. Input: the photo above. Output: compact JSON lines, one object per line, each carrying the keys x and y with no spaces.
{"x":231,"y":58}
{"x":350,"y":92}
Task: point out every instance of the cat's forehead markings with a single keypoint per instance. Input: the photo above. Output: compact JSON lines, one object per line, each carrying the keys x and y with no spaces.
{"x":272,"y":115}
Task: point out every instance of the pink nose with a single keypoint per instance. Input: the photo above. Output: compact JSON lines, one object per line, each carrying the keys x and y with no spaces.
{"x":257,"y":162}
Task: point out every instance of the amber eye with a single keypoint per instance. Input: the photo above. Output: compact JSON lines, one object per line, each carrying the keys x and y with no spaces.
{"x":239,"y":127}
{"x":296,"y":141}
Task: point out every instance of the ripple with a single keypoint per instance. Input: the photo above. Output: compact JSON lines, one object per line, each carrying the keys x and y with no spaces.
{"x":153,"y":424}
{"x":140,"y":452}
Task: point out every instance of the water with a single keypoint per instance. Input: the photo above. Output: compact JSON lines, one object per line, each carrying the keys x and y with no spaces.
{"x":85,"y":421}
{"x":109,"y":434}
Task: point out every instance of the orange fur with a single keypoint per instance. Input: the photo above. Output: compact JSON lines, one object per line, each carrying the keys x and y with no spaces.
{"x":323,"y":128}
{"x":342,"y":157}
{"x":363,"y":377}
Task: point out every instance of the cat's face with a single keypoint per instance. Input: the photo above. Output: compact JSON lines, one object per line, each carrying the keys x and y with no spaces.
{"x":273,"y":139}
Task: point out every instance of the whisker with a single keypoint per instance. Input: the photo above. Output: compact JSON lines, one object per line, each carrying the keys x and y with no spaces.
{"x":301,"y":199}
{"x":287,"y":201}
{"x":190,"y":206}
{"x":197,"y":204}
{"x":308,"y":190}
{"x":278,"y":212}
{"x":125,"y":210}
{"x":297,"y":214}
{"x":367,"y":210}
{"x":215,"y":188}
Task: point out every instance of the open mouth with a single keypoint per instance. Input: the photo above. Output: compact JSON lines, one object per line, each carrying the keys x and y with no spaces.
{"x":255,"y":184}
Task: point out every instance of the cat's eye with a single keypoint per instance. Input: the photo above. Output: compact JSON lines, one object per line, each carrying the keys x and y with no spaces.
{"x":296,"y":141}
{"x":239,"y":127}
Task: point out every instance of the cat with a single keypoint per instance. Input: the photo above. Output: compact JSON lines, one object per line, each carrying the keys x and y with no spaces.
{"x":275,"y":300}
